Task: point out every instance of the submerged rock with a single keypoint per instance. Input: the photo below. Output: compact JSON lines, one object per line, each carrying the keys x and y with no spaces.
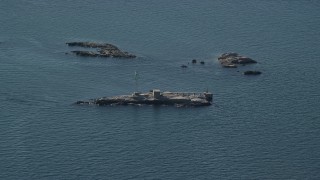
{"x":252,"y":73}
{"x":104,"y":50}
{"x":229,"y":66}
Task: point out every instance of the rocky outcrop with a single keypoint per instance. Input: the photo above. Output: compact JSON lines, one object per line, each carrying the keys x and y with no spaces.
{"x":102,"y":50}
{"x":230,"y":60}
{"x":252,"y":73}
{"x":154,"y":98}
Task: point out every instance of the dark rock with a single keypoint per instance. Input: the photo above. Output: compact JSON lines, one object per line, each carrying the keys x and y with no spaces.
{"x":194,"y":61}
{"x":104,"y":50}
{"x":201,"y":62}
{"x":228,"y":59}
{"x":184,"y":66}
{"x":252,"y":73}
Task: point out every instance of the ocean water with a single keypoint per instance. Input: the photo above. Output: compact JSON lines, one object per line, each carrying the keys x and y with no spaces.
{"x":261,"y":127}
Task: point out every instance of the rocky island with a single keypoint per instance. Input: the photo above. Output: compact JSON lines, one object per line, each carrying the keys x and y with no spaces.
{"x":102,"y":50}
{"x":155,"y":97}
{"x":231,"y":60}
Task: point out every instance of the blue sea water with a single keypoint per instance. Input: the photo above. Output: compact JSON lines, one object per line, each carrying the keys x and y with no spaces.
{"x":261,"y":127}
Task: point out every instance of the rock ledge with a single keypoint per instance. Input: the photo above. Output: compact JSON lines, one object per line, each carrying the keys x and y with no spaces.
{"x":103,"y":50}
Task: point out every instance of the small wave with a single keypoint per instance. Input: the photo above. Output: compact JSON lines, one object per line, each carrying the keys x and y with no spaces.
{"x":28,"y":100}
